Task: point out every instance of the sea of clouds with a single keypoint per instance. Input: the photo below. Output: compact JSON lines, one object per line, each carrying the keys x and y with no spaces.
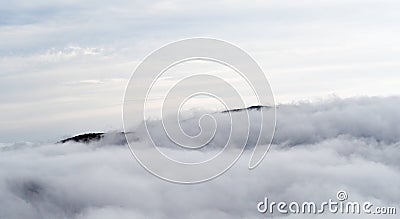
{"x":318,"y":149}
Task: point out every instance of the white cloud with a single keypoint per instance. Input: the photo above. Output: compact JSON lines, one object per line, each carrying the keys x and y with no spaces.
{"x":320,"y":148}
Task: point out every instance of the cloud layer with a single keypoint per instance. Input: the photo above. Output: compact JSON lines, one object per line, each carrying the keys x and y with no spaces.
{"x":319,"y":148}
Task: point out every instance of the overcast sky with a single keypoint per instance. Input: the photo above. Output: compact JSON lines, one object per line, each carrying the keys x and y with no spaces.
{"x":64,"y":64}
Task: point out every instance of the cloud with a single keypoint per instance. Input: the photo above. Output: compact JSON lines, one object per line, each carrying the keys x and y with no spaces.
{"x":85,"y":82}
{"x":320,"y":148}
{"x":369,"y":117}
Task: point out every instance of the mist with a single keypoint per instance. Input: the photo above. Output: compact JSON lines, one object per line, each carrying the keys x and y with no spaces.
{"x":318,"y":149}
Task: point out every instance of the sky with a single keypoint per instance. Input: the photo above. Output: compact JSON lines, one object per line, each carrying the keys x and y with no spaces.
{"x":64,"y":65}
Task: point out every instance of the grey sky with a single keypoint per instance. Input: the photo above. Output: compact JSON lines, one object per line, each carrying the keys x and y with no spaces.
{"x":64,"y":64}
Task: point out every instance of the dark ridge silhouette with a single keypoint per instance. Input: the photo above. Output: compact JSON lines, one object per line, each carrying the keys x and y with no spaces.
{"x":84,"y":138}
{"x":258,"y":107}
{"x":93,"y":137}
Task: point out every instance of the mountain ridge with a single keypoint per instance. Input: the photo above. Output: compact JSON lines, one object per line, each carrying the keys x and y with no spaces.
{"x":90,"y":137}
